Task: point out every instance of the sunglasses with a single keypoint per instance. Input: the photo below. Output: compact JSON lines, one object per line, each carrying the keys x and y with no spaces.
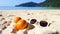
{"x":42,"y":23}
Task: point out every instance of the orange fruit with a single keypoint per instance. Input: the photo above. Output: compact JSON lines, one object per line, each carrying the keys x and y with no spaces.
{"x":16,"y":19}
{"x":21,"y":24}
{"x":15,"y":29}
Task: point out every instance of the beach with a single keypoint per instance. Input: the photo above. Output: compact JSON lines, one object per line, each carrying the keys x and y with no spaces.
{"x":51,"y":16}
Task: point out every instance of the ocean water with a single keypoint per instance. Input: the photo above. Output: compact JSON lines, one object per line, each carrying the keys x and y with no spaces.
{"x":27,"y":8}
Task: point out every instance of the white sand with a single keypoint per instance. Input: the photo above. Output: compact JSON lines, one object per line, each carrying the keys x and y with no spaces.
{"x":51,"y":16}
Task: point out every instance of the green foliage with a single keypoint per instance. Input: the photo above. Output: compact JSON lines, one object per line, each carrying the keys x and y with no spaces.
{"x":50,"y":3}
